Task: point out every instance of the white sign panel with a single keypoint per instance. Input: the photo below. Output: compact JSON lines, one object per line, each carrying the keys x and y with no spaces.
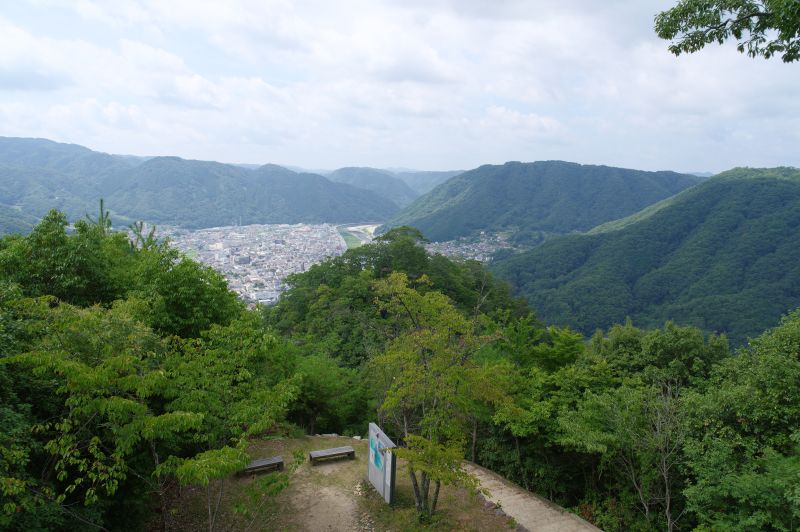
{"x":381,"y":465}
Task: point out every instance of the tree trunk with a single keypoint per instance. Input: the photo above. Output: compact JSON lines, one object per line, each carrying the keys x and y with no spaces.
{"x":435,"y":496}
{"x":162,"y":500}
{"x":208,"y":506}
{"x":521,"y":468}
{"x":667,"y":497}
{"x":474,"y":437}
{"x":425,"y":489}
{"x":415,"y":485}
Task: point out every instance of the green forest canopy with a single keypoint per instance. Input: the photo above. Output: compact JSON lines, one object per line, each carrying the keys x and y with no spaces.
{"x":126,"y":368}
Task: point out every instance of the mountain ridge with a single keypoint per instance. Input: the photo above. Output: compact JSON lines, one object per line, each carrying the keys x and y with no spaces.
{"x":382,"y":182}
{"x":724,"y":256}
{"x":536,"y":199}
{"x":39,"y":174}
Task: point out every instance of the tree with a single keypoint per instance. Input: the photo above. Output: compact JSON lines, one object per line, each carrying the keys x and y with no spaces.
{"x":639,"y":431}
{"x":742,"y":449}
{"x":103,"y":220}
{"x":761,"y":27}
{"x":230,"y":375}
{"x":430,"y":384}
{"x":106,"y":425}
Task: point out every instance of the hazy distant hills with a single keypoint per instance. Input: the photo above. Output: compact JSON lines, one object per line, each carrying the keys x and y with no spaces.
{"x":423,"y":182}
{"x":535,"y":199}
{"x":382,"y":182}
{"x":37,"y":175}
{"x":724,"y":256}
{"x":204,"y":194}
{"x":418,"y":181}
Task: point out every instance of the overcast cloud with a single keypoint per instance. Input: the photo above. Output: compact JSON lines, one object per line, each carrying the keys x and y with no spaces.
{"x":429,"y":84}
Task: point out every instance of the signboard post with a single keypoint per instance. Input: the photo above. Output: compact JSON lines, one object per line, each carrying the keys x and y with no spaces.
{"x":382,"y":464}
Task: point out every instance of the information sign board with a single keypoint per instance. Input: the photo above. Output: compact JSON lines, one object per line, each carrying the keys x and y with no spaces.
{"x":382,"y":464}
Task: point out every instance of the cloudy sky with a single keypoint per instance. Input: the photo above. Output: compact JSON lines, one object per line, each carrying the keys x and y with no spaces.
{"x":428,"y":84}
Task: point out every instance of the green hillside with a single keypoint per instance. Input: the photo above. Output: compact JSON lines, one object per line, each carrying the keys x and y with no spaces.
{"x":204,"y":194}
{"x":37,"y":175}
{"x":723,"y":256}
{"x":536,"y":199}
{"x":14,"y":222}
{"x":66,"y":159}
{"x":37,"y":190}
{"x":383,"y":183}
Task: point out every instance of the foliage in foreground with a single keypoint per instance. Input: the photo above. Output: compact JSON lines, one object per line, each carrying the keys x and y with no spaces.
{"x":108,"y":399}
{"x":124,"y":368}
{"x":762,"y":28}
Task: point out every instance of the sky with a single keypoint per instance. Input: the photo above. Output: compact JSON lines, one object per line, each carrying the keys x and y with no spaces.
{"x":423,"y":84}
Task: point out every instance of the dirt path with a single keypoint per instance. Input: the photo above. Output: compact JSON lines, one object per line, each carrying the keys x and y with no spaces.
{"x":325,"y":508}
{"x":529,"y":510}
{"x":322,"y":496}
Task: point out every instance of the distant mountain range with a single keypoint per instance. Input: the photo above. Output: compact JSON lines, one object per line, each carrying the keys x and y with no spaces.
{"x":37,"y":175}
{"x":382,"y":182}
{"x":534,"y":200}
{"x":724,"y":256}
{"x":423,"y":182}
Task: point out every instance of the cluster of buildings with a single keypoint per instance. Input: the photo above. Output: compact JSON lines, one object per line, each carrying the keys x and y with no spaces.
{"x":257,"y":258}
{"x":480,"y":248}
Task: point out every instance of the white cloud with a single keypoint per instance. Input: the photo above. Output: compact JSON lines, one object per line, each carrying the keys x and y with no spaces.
{"x":435,"y":83}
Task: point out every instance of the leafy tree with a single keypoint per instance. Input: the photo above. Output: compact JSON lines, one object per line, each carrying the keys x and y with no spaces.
{"x":230,"y":375}
{"x":741,"y":450}
{"x":430,"y":382}
{"x":49,"y":261}
{"x":188,"y":297}
{"x":761,"y":27}
{"x":330,"y":398}
{"x":104,"y":368}
{"x":330,"y":308}
{"x":640,"y":432}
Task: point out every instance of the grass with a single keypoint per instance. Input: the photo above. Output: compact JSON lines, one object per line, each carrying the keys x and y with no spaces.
{"x":350,"y":239}
{"x":333,"y":495}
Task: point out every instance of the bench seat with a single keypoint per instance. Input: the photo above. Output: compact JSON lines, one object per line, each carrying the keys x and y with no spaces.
{"x":336,"y":452}
{"x":264,"y":465}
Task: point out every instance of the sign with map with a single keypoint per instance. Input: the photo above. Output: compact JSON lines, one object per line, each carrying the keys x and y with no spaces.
{"x":382,"y":464}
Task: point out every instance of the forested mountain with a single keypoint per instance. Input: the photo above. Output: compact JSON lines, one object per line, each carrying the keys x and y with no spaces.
{"x":205,"y":194}
{"x":12,"y":221}
{"x":381,"y":182}
{"x":66,"y":159}
{"x":37,"y":175}
{"x":536,"y":199}
{"x":723,"y":256}
{"x":36,"y":190}
{"x":423,"y":182}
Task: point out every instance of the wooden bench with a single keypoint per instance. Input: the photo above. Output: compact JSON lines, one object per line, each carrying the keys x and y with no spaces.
{"x":336,"y":452}
{"x":264,"y":465}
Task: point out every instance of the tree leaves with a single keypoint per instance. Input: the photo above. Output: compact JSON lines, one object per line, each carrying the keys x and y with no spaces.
{"x":761,"y":27}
